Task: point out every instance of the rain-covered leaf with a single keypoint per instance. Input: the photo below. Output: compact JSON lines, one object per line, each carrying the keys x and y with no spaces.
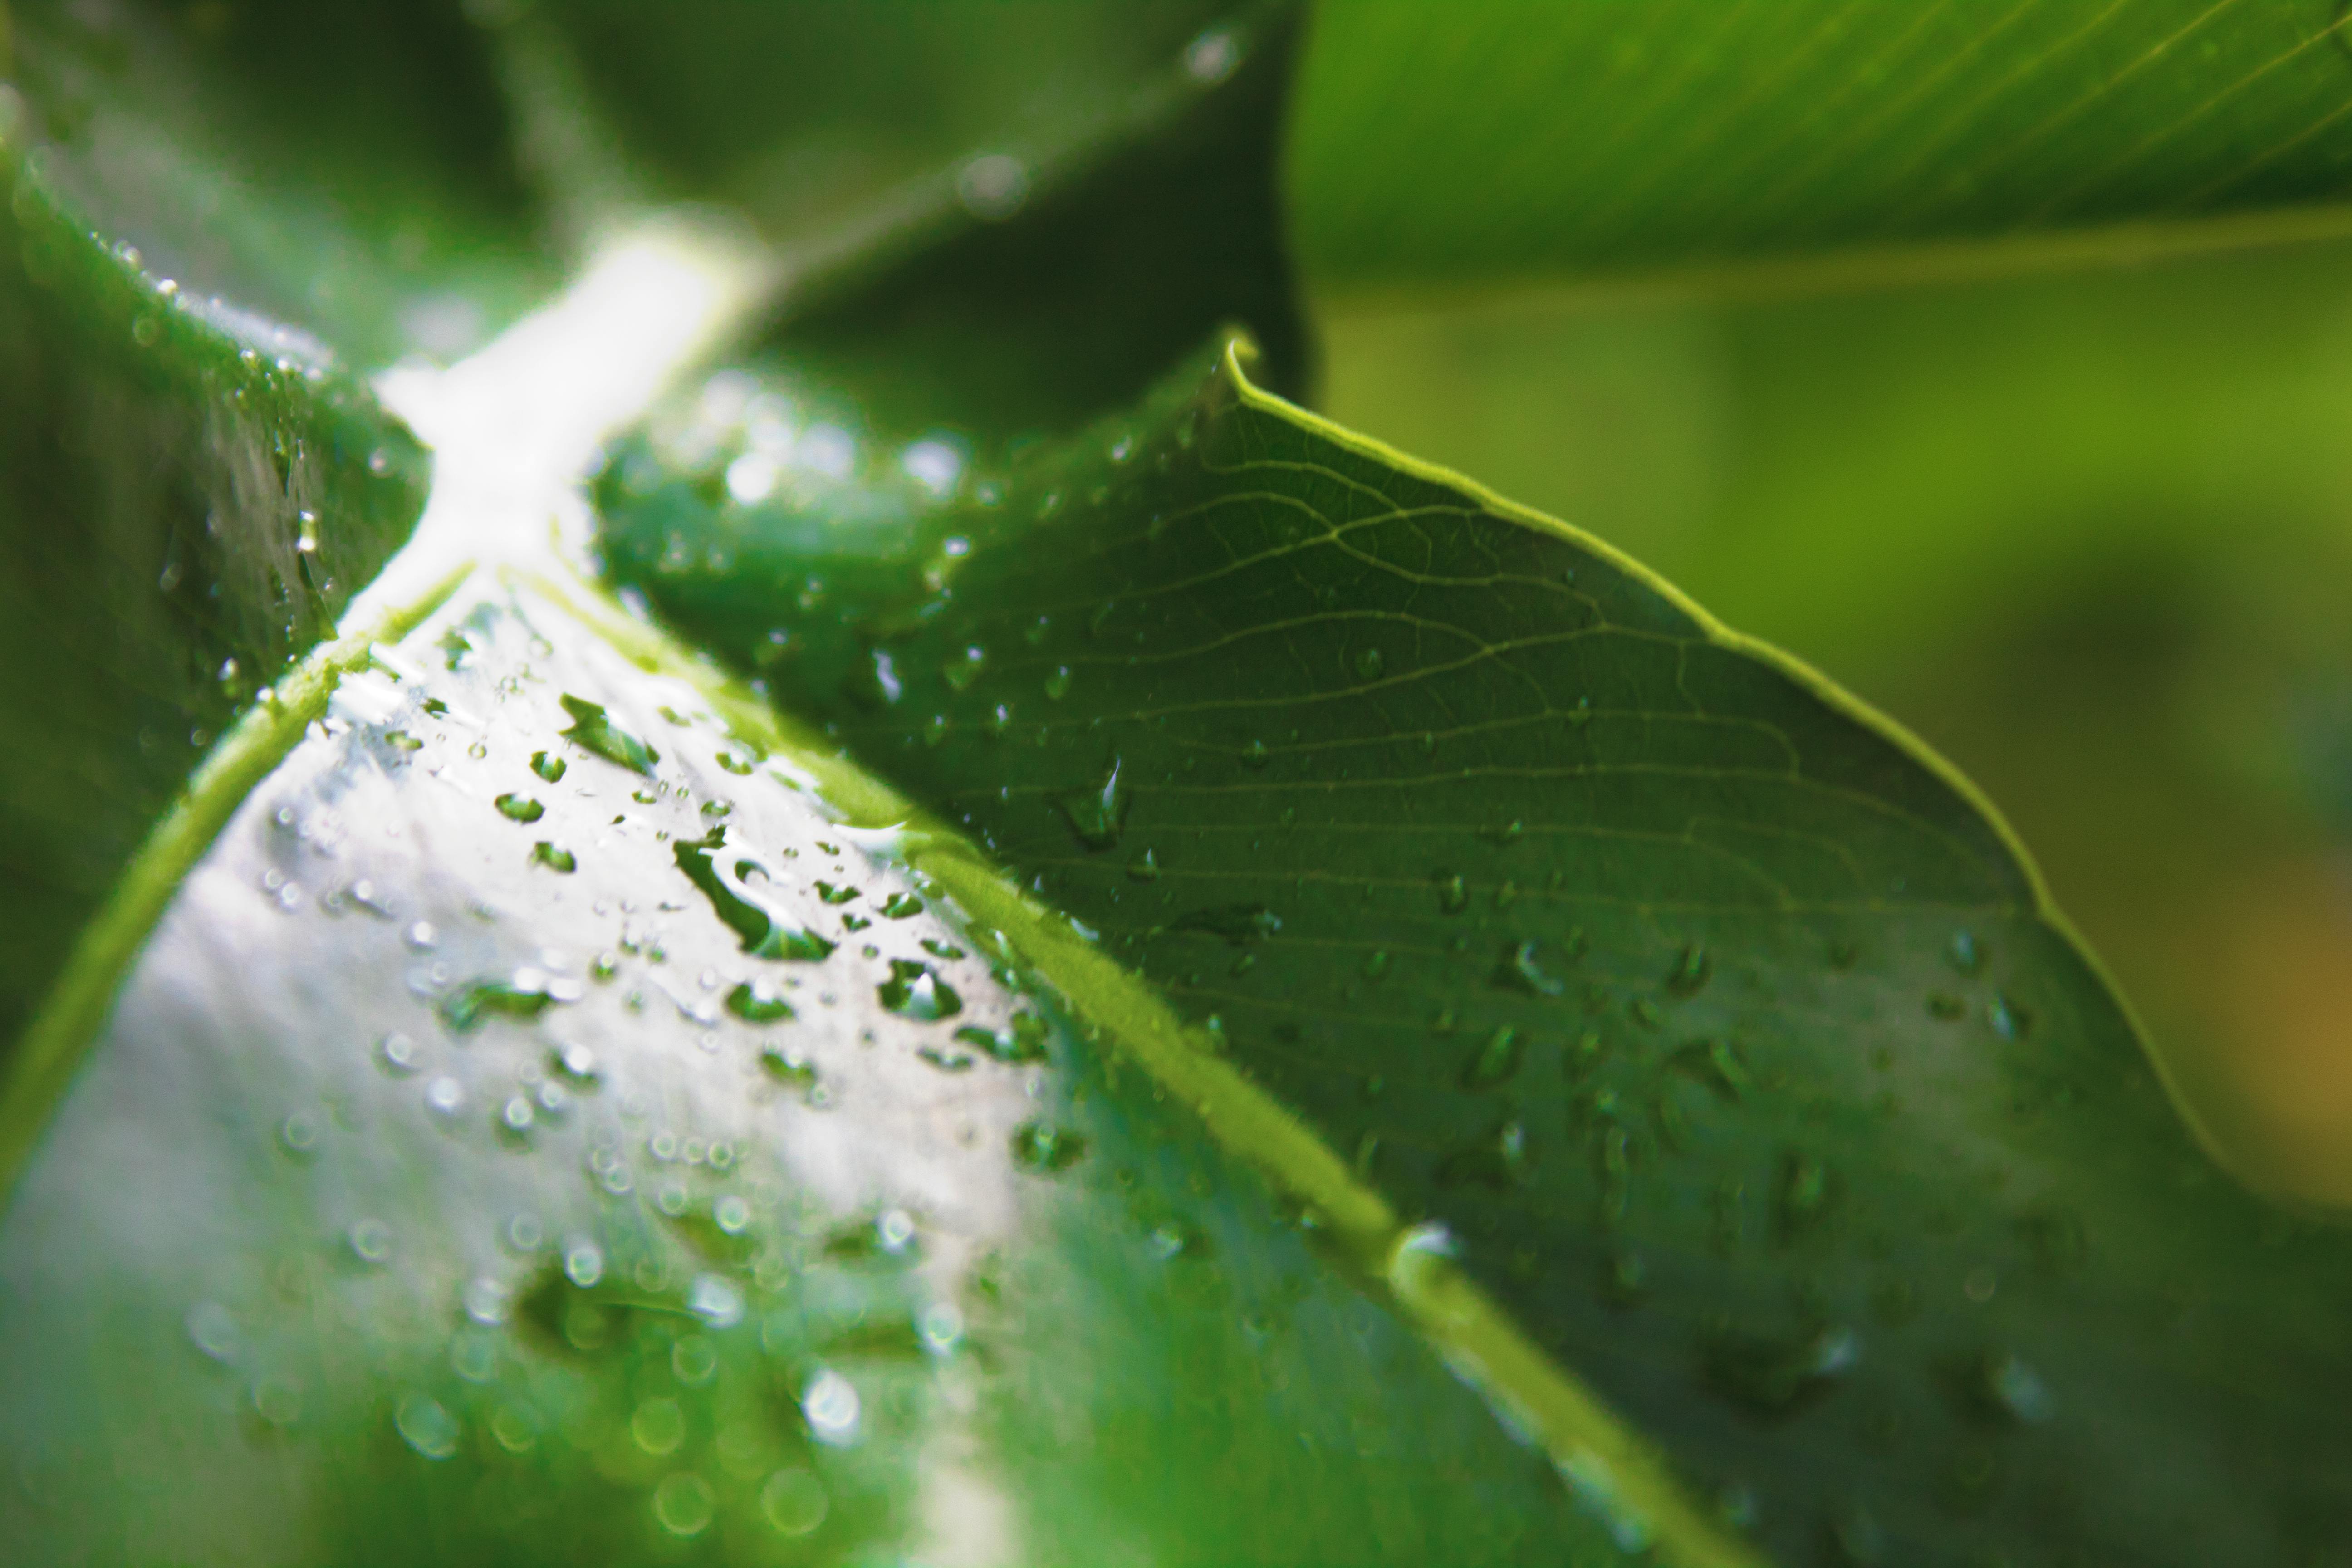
{"x":1720,"y":1023}
{"x":1503,"y":139}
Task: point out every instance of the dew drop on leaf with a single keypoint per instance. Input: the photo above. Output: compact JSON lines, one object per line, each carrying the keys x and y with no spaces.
{"x":549,"y":766}
{"x":425,"y":1426}
{"x":521,"y":807}
{"x":1452,"y":893}
{"x":1495,"y":1060}
{"x":594,"y":730}
{"x":554,"y":856}
{"x":914,"y":991}
{"x":1042,"y":1147}
{"x":1097,"y":814}
{"x":756,"y":1002}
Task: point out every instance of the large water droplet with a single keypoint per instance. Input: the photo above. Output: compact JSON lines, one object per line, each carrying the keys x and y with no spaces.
{"x":752,"y":908}
{"x":914,"y":991}
{"x":593,"y":730}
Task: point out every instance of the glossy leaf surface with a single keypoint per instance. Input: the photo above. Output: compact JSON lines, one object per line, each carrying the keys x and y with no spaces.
{"x":1721,"y":1023}
{"x":1499,"y":140}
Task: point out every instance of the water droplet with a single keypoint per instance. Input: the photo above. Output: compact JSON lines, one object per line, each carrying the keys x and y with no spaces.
{"x":794,"y":1502}
{"x":684,"y":1504}
{"x":425,"y":1426}
{"x":213,"y":1330}
{"x":576,"y":1062}
{"x":1453,"y":894}
{"x":837,"y":893}
{"x":299,"y":1134}
{"x":914,"y":991}
{"x":2009,"y":1388}
{"x":1239,"y":924}
{"x":1144,"y":868}
{"x":1964,"y":954}
{"x":1495,"y":1061}
{"x":1370,"y":664}
{"x":1716,"y":1064}
{"x":658,"y":1427}
{"x":421,"y":936}
{"x":593,"y":730}
{"x":715,"y":1300}
{"x":1805,"y":1195}
{"x":1773,"y":1376}
{"x":554,"y":856}
{"x":547,"y":766}
{"x":1945,"y":1007}
{"x":1023,"y":1040}
{"x":1690,"y":971}
{"x":1499,"y":1160}
{"x":277,"y":1399}
{"x":583,"y":1264}
{"x":526,"y":993}
{"x":2009,"y":1020}
{"x":829,"y":1404}
{"x":1212,"y":57}
{"x":992,"y":186}
{"x":370,"y":1240}
{"x":521,"y":807}
{"x":962,"y":670}
{"x":1042,"y":1147}
{"x":1520,"y":972}
{"x":1377,"y":966}
{"x":1096,"y":814}
{"x":755,"y":1001}
{"x":788,"y":1064}
{"x":1255,"y":756}
{"x":1058,"y":685}
{"x":754,"y":912}
{"x":902,"y":906}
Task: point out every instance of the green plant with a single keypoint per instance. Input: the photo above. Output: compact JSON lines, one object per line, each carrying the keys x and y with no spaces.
{"x":846,"y":898}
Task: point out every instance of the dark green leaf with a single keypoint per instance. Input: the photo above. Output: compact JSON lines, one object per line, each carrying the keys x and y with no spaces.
{"x":1724,"y":1026}
{"x":185,"y":504}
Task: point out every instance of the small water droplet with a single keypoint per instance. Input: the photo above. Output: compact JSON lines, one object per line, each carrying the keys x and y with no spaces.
{"x":583,"y":1264}
{"x":1495,"y":1061}
{"x":1370,"y":664}
{"x":1255,"y":756}
{"x":1774,"y":1375}
{"x":1945,"y":1007}
{"x":547,"y":766}
{"x":1520,"y":972}
{"x":755,"y":1001}
{"x":1452,"y":893}
{"x":213,"y":1330}
{"x":1964,"y":954}
{"x":370,"y":1240}
{"x":299,"y":1134}
{"x":277,"y":1399}
{"x":829,"y":1404}
{"x":2009,"y":1388}
{"x":1690,"y":970}
{"x":1376,"y":967}
{"x":794,"y":1502}
{"x":2009,"y":1020}
{"x":1042,"y":1147}
{"x":684,"y":1504}
{"x":1238,"y":924}
{"x":1805,"y":1195}
{"x":1144,"y":868}
{"x":902,"y":906}
{"x":425,"y":1426}
{"x":992,"y":186}
{"x":1212,"y":57}
{"x":1097,"y":814}
{"x":1057,"y":684}
{"x":658,"y":1425}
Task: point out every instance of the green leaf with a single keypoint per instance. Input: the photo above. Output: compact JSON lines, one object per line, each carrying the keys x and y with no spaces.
{"x":1723,"y":1025}
{"x":187,"y":500}
{"x":450,"y":1215}
{"x":1738,"y":144}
